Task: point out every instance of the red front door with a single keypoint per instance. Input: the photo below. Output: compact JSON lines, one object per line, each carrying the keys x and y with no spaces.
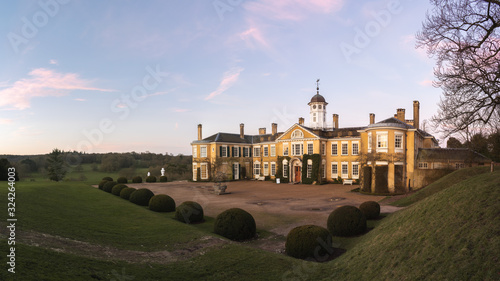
{"x":297,"y":173}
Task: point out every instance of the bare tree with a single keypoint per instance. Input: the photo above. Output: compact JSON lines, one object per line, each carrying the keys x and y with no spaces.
{"x":464,"y":36}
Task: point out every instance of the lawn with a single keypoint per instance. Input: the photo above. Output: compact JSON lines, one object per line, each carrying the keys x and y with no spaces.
{"x":451,"y":234}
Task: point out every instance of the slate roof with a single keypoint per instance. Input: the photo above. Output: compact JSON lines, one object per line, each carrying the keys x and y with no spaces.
{"x":235,"y":138}
{"x":450,"y":154}
{"x":391,"y":122}
{"x":317,"y":98}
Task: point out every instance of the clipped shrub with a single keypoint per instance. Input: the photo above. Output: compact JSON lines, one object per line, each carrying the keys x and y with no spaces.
{"x":189,"y":212}
{"x":163,"y":179}
{"x":101,"y":184}
{"x":117,"y":189}
{"x":162,"y":203}
{"x":141,"y":196}
{"x":137,"y":179}
{"x":122,"y":180}
{"x":371,"y":209}
{"x":151,"y":179}
{"x":235,"y":224}
{"x":108,"y":186}
{"x":107,"y":179}
{"x":125,"y":193}
{"x":346,"y":221}
{"x":309,"y":242}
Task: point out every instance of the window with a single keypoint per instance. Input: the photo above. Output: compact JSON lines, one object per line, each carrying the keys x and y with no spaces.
{"x":273,"y":169}
{"x":266,"y":151}
{"x":422,"y":165}
{"x":345,"y":148}
{"x":398,"y":142}
{"x":256,"y":151}
{"x":314,"y":117}
{"x":195,"y":172}
{"x":382,"y":142}
{"x":223,"y":151}
{"x":345,"y":170}
{"x":246,"y":151}
{"x":203,"y":171}
{"x":334,"y":149}
{"x":285,"y":150}
{"x":355,"y":148}
{"x":309,"y":170}
{"x":195,"y":151}
{"x":203,"y":151}
{"x":285,"y":169}
{"x":256,"y":168}
{"x":355,"y":170}
{"x":459,"y":165}
{"x":369,"y":142}
{"x":335,"y":171}
{"x":297,"y":134}
{"x":310,"y":148}
{"x":323,"y":166}
{"x":236,"y":151}
{"x":323,"y":149}
{"x":297,"y":149}
{"x":266,"y":169}
{"x":273,"y":150}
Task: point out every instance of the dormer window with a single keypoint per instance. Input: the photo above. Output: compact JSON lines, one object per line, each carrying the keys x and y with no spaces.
{"x":297,"y":134}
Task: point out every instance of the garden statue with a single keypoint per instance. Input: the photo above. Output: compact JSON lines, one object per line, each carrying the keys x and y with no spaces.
{"x":162,"y":172}
{"x":149,"y":174}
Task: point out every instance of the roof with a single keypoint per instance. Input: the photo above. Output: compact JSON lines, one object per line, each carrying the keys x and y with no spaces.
{"x":317,"y":98}
{"x":235,"y":138}
{"x":447,"y":154}
{"x":391,"y":122}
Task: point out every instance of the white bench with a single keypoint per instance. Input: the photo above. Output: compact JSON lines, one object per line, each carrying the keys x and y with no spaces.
{"x":261,"y":178}
{"x":347,"y":182}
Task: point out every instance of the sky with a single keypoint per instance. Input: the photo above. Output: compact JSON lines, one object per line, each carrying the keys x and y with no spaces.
{"x":120,"y":76}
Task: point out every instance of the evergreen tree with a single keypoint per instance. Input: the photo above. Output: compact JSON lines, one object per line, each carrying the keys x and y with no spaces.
{"x":55,"y":165}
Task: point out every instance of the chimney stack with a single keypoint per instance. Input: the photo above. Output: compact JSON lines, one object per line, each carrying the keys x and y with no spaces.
{"x":301,"y":121}
{"x":275,"y":128}
{"x":199,"y":132}
{"x":372,"y":118}
{"x":262,"y":131}
{"x":335,"y":121}
{"x":416,"y":114}
{"x":401,"y":114}
{"x":242,"y":130}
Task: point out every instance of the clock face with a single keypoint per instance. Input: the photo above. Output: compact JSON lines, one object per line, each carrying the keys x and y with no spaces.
{"x":314,"y":106}
{"x":319,"y":106}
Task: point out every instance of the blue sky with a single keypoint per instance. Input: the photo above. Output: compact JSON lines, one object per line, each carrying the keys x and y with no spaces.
{"x":117,"y":76}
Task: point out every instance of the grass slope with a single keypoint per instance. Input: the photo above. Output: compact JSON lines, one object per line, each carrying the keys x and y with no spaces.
{"x":451,"y":235}
{"x":443,"y":183}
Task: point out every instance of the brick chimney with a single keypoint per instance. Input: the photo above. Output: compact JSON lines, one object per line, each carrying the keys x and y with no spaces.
{"x":335,"y":121}
{"x":372,"y":118}
{"x":274,"y":128}
{"x":416,"y":114}
{"x":242,"y":130}
{"x":401,"y":115}
{"x":301,"y":121}
{"x":199,"y":132}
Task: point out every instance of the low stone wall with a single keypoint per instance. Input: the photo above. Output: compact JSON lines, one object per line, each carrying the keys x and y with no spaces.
{"x":424,"y":177}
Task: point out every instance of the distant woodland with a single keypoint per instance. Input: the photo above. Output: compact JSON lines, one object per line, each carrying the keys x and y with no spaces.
{"x":177,"y":167}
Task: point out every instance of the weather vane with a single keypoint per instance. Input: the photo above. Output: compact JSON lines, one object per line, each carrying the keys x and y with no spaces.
{"x":317,"y":85}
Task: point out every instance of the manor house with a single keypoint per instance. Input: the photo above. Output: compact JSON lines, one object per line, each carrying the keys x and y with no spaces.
{"x":390,"y":156}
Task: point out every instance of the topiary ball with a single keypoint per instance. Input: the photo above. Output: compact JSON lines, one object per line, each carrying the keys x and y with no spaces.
{"x":107,"y":179}
{"x":117,"y":189}
{"x":235,"y":224}
{"x":189,"y":212}
{"x":101,"y":184}
{"x":346,"y":221}
{"x":137,"y":179}
{"x":151,"y":179}
{"x":122,"y":180}
{"x":109,"y":186}
{"x":162,"y":203}
{"x":163,"y":179}
{"x":309,"y":242}
{"x":125,"y":193}
{"x":371,"y":209}
{"x":141,"y":196}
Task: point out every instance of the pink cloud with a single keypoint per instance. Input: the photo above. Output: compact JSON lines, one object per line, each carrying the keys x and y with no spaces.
{"x":292,"y":10}
{"x":5,"y":121}
{"x":80,"y":99}
{"x":42,"y":83}
{"x":230,"y":77}
{"x":254,"y":35}
{"x":425,"y":83}
{"x":180,"y":110}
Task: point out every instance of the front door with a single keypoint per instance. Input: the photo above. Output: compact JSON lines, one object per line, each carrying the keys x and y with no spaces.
{"x":297,"y":173}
